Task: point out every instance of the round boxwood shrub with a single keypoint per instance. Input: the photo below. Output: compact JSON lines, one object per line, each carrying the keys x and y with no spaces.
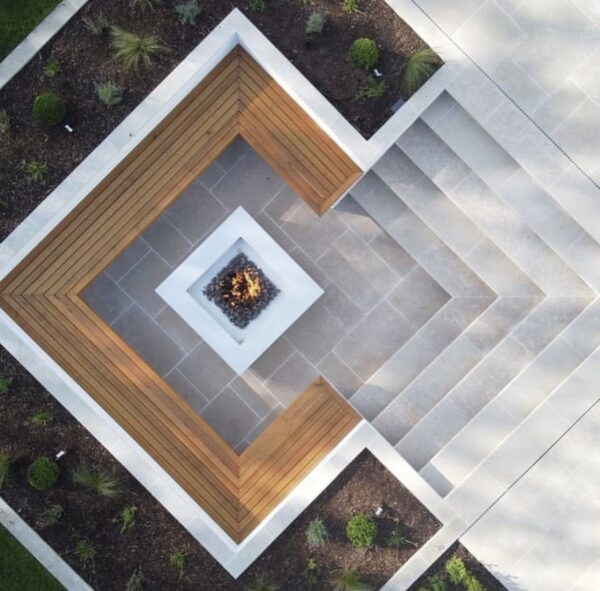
{"x":361,"y":530}
{"x":364,"y":53}
{"x":49,"y":109}
{"x":42,"y":474}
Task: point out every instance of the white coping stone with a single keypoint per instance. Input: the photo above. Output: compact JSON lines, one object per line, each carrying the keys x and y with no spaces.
{"x":43,"y":553}
{"x":183,"y":290}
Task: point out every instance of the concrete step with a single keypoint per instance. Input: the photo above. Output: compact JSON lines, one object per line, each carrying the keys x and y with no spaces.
{"x":519,"y":192}
{"x":493,"y":425}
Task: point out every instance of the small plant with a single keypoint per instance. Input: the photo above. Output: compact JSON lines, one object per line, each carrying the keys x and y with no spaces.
{"x":4,"y":121}
{"x":86,"y":552}
{"x":456,"y":570}
{"x":36,"y":170}
{"x":132,"y":49}
{"x":49,"y":517}
{"x":104,"y":482}
{"x":437,"y":583}
{"x":257,"y":5}
{"x":264,"y":583}
{"x":188,"y":12}
{"x":136,"y":580}
{"x":418,"y":69}
{"x":316,"y":533}
{"x":351,"y":5}
{"x":364,"y":53}
{"x":5,"y":385}
{"x":49,"y":109}
{"x":5,"y":461}
{"x":373,"y":89}
{"x":143,"y":5}
{"x":315,"y":24}
{"x":348,"y":580}
{"x":109,"y":93}
{"x":52,"y":68}
{"x":127,"y":518}
{"x":177,"y":559}
{"x":41,"y":418}
{"x":361,"y":530}
{"x":312,"y":572}
{"x":43,"y":473}
{"x":396,"y":539}
{"x":96,"y":26}
{"x":472,"y":584}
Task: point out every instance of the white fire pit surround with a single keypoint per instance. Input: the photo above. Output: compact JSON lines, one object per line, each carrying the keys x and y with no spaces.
{"x":183,"y":290}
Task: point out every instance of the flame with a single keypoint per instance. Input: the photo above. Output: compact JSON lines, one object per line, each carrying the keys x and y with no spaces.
{"x":245,"y":286}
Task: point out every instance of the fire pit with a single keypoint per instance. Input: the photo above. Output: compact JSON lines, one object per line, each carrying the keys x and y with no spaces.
{"x":241,"y":290}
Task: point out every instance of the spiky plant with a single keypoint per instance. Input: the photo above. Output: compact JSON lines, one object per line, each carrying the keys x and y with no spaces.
{"x":5,"y":460}
{"x":109,"y":93}
{"x":86,"y":552}
{"x":188,"y":12}
{"x":103,"y":482}
{"x":316,"y":533}
{"x":41,"y":418}
{"x":263,"y":583}
{"x":36,"y":170}
{"x":4,"y":121}
{"x":5,"y":385}
{"x":418,"y":69}
{"x":133,"y":50}
{"x":348,"y":580}
{"x":143,"y":5}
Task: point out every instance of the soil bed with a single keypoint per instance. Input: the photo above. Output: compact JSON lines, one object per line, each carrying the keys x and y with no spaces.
{"x":87,"y":60}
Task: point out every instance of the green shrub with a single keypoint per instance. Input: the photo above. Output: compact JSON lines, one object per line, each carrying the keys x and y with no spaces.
{"x":96,"y":26}
{"x":312,"y":572}
{"x":188,"y":12}
{"x":5,"y":385}
{"x":52,"y":68}
{"x":4,"y":121}
{"x":315,"y":24}
{"x":437,"y":583}
{"x":49,"y":109}
{"x":103,"y":482}
{"x":456,"y":569}
{"x":49,"y":516}
{"x":36,"y":170}
{"x":136,"y":580}
{"x":418,"y":69}
{"x":177,"y":559}
{"x":257,"y":5}
{"x":143,"y":5}
{"x":316,"y":533}
{"x":5,"y":461}
{"x":364,"y":53}
{"x":127,"y":518}
{"x":361,"y":530}
{"x":472,"y":584}
{"x":109,"y":93}
{"x":264,"y":583}
{"x":132,"y":49}
{"x":43,"y":473}
{"x":374,"y":89}
{"x":348,"y":581}
{"x":351,"y":5}
{"x":86,"y":552}
{"x":41,"y":418}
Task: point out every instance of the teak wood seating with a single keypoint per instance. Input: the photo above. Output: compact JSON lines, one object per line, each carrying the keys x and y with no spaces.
{"x":43,"y":294}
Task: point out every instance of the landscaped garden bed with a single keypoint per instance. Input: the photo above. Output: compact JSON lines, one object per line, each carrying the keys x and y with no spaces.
{"x":79,"y":66}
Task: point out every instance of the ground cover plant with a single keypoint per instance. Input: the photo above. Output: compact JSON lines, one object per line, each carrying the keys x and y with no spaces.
{"x":19,"y":570}
{"x":114,"y":52}
{"x":17,"y":19}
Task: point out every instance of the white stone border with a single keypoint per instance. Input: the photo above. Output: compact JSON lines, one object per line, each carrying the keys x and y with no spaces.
{"x":43,"y":553}
{"x":20,"y":56}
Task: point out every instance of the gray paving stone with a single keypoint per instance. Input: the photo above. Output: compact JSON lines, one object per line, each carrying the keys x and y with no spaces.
{"x":106,"y":298}
{"x":339,"y":305}
{"x":177,"y":329}
{"x":249,"y":183}
{"x":448,"y":17}
{"x":559,"y":105}
{"x":281,"y":207}
{"x":584,"y":257}
{"x":315,"y":333}
{"x":212,"y":175}
{"x":167,"y":241}
{"x":418,"y":297}
{"x":206,"y":371}
{"x":143,"y":279}
{"x":147,"y":338}
{"x":196,"y":212}
{"x":261,"y":403}
{"x":309,"y":266}
{"x":398,"y":171}
{"x":272,"y":358}
{"x":339,"y":375}
{"x":291,"y":379}
{"x":230,"y":417}
{"x":519,"y":85}
{"x":393,"y":254}
{"x":373,"y":340}
{"x":187,"y":390}
{"x":396,"y":420}
{"x":234,"y":152}
{"x":264,"y":423}
{"x":355,"y":217}
{"x":127,"y":259}
{"x":583,"y":334}
{"x":275,"y":232}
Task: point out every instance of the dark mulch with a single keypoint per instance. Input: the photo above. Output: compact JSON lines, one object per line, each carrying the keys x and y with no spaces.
{"x":86,"y":60}
{"x":363,"y":486}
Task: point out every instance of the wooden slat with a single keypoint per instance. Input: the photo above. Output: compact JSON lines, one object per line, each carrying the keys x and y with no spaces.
{"x":43,"y":294}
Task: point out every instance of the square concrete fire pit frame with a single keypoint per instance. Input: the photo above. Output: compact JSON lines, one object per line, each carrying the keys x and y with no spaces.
{"x":182,"y":290}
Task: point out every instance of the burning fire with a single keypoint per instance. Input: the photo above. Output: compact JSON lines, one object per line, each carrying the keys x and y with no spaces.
{"x":245,"y":286}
